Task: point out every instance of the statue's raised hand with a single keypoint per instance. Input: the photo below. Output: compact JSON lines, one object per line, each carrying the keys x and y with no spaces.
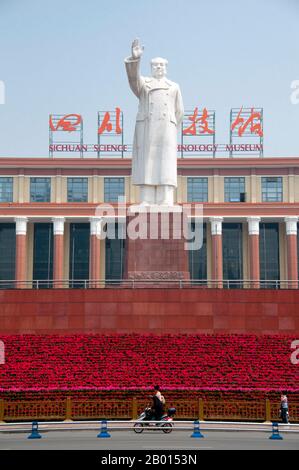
{"x":137,"y":49}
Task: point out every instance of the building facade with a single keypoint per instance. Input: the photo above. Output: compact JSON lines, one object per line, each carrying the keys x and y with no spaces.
{"x":48,"y":216}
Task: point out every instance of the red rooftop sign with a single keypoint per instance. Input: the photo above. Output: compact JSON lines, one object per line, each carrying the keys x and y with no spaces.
{"x":196,"y":126}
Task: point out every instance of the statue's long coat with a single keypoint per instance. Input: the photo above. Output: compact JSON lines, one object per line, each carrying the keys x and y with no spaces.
{"x":154,"y":158}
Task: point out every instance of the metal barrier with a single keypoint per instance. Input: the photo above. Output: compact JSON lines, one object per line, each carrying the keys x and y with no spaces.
{"x":96,"y":409}
{"x":149,"y":283}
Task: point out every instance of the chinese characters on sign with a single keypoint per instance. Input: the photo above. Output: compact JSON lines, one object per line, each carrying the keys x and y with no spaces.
{"x":69,"y":122}
{"x":108,"y":123}
{"x":246,"y":122}
{"x":201,"y":129}
{"x":243,"y":121}
{"x":68,"y":128}
{"x":202,"y":120}
{"x":197,"y":124}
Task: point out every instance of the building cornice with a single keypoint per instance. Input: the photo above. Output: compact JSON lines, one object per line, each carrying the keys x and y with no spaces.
{"x":125,"y":163}
{"x":274,"y":210}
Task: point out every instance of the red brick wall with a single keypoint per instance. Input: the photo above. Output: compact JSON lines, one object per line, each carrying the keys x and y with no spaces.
{"x":153,"y":311}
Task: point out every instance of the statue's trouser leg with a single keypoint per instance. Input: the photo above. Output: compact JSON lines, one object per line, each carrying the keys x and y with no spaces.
{"x":165,"y":194}
{"x":147,"y":194}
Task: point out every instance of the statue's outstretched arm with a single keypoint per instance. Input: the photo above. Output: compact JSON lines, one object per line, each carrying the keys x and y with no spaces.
{"x":137,"y":49}
{"x":132,"y":67}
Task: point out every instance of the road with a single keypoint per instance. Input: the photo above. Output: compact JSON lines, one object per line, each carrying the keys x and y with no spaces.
{"x":148,"y":440}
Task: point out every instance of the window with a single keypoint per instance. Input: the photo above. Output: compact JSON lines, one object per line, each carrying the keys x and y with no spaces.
{"x":6,"y":189}
{"x":272,"y":189}
{"x":79,"y":254}
{"x":114,"y":258}
{"x":7,"y":254}
{"x":234,"y":189}
{"x":113,"y":188}
{"x":269,"y":255}
{"x":40,"y":189}
{"x":198,"y":259}
{"x":77,"y":189}
{"x":232,"y":255}
{"x":43,"y":254}
{"x":197,"y":189}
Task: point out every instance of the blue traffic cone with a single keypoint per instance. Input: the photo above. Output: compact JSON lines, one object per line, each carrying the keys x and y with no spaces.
{"x":34,"y":431}
{"x":196,"y":431}
{"x":275,"y":432}
{"x":104,"y":430}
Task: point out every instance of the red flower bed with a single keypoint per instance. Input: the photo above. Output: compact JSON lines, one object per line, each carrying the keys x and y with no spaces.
{"x":214,"y":363}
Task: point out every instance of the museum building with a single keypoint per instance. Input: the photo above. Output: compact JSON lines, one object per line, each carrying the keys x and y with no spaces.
{"x":48,"y":212}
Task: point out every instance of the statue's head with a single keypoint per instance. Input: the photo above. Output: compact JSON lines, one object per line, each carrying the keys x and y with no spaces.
{"x":159,"y":67}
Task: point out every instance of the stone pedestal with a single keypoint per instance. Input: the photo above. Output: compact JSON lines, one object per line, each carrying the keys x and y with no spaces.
{"x":158,"y":252}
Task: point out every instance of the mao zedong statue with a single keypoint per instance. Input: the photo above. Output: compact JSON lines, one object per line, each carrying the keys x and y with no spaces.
{"x":160,"y":112}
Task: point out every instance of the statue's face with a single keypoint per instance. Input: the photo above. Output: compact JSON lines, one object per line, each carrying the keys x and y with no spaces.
{"x":159,"y":69}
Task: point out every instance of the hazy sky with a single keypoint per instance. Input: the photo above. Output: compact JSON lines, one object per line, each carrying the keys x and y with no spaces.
{"x":66,"y":56}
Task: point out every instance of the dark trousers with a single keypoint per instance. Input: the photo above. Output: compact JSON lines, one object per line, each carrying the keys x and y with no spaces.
{"x":158,"y":413}
{"x":284,"y":415}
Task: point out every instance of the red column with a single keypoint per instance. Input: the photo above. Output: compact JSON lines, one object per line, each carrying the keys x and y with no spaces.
{"x":21,"y":252}
{"x":254,"y":251}
{"x":58,"y":259}
{"x":292,"y":251}
{"x":217,"y":257}
{"x":95,"y":252}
